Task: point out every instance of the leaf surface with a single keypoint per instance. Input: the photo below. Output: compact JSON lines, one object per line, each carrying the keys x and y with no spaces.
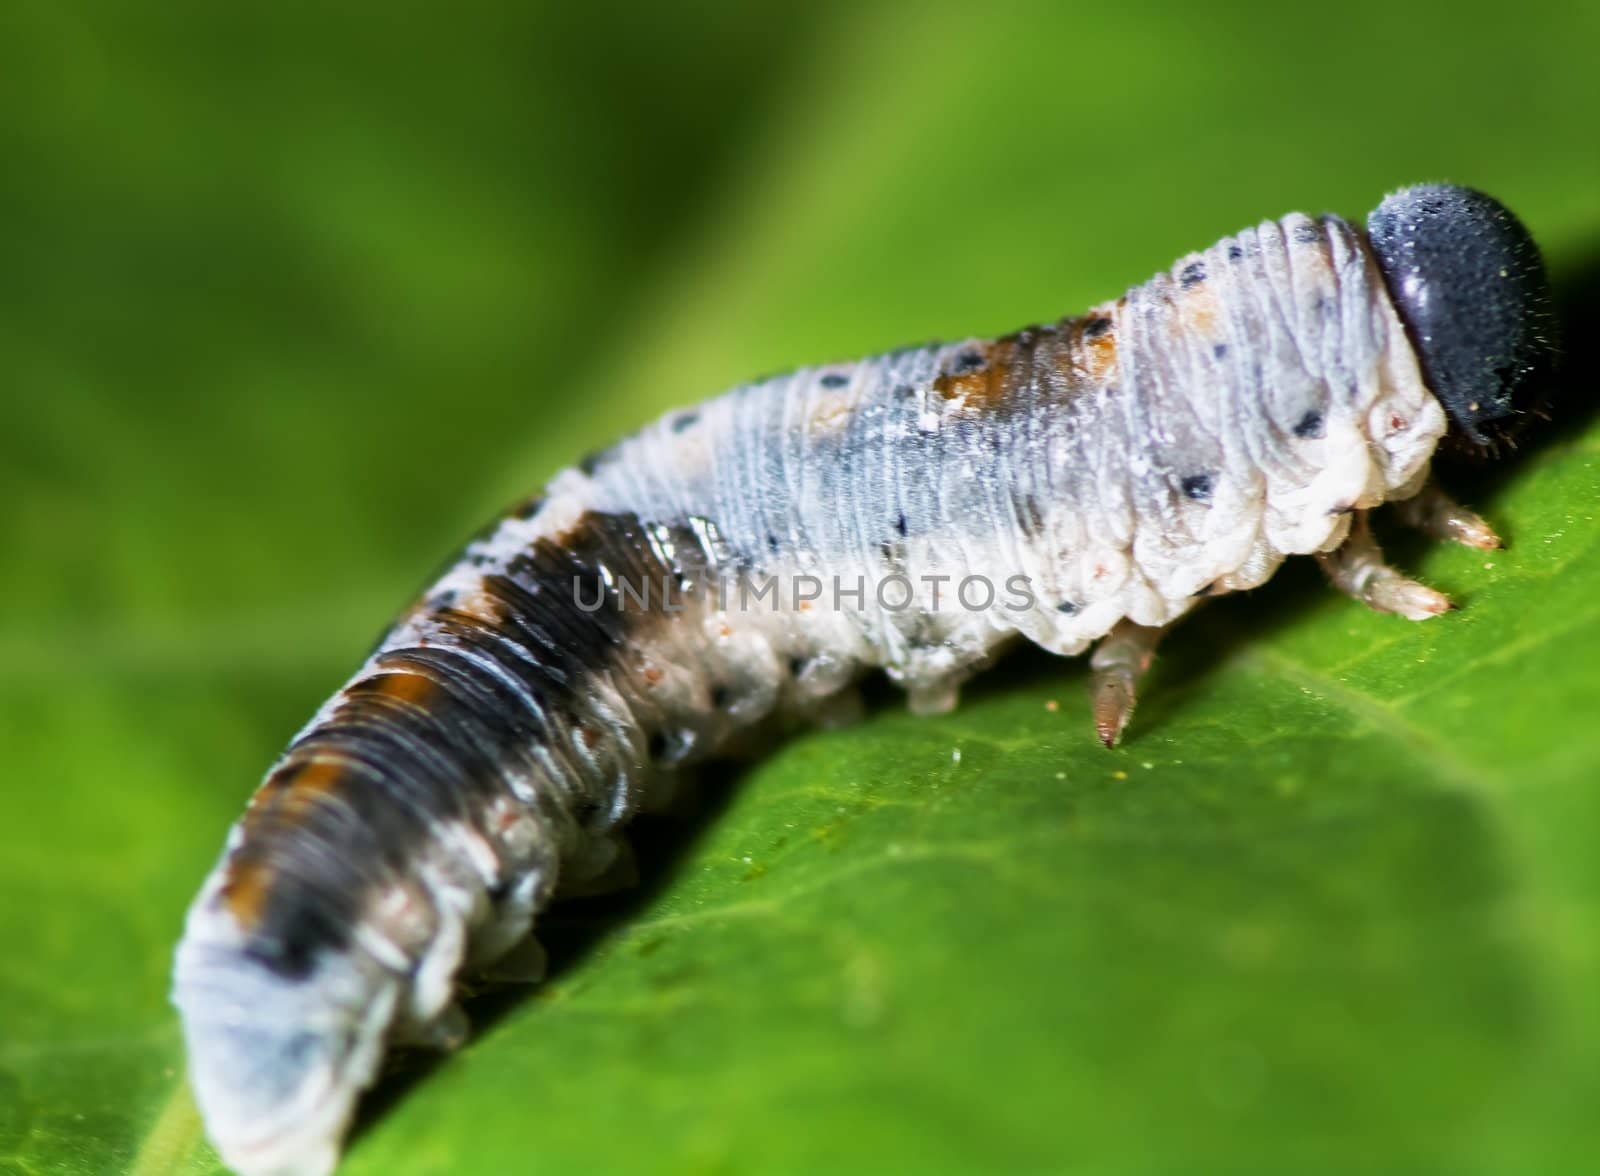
{"x":291,"y":312}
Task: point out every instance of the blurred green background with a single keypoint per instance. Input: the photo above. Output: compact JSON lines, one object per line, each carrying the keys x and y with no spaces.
{"x":293,"y":296}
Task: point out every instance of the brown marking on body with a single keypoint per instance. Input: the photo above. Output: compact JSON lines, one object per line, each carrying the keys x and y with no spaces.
{"x":412,"y":688}
{"x":288,"y":795}
{"x":999,"y":375}
{"x":244,"y":891}
{"x":1091,"y":351}
{"x":830,"y":413}
{"x":1198,"y":312}
{"x":294,"y":789}
{"x":1100,"y":357}
{"x":979,"y":376}
{"x":480,"y":605}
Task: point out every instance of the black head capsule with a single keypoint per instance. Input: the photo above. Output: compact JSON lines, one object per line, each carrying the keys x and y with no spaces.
{"x":1470,"y":286}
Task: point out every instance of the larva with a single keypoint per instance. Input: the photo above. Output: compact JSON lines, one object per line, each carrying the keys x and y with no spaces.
{"x":1088,"y":480}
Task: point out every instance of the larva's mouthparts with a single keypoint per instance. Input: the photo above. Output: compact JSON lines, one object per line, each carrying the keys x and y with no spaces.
{"x":1470,"y":285}
{"x":276,"y":1066}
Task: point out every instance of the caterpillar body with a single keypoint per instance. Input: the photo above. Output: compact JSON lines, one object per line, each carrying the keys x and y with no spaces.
{"x":1087,"y":480}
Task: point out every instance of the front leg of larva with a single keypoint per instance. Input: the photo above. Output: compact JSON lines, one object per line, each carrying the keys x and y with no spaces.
{"x":1437,"y":515}
{"x":1357,"y":567}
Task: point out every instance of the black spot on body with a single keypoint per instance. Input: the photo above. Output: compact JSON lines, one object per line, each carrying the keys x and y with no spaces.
{"x":967,"y":361}
{"x":1067,"y":608}
{"x":1197,"y":487}
{"x":1309,"y":426}
{"x":685,"y":420}
{"x":834,"y":380}
{"x":1096,"y":325}
{"x":289,"y":946}
{"x":1192,"y":275}
{"x":901,"y":526}
{"x":592,"y":462}
{"x":1235,"y":253}
{"x":482,"y":535}
{"x":1306,"y":234}
{"x":1219,"y":350}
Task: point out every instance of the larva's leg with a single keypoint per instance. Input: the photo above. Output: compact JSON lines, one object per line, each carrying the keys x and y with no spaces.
{"x":1435,"y":513}
{"x":446,"y":1033}
{"x":937,"y":697}
{"x":836,"y":711}
{"x":1115,"y":667}
{"x":525,"y":963}
{"x":1356,"y":568}
{"x":605,"y":866}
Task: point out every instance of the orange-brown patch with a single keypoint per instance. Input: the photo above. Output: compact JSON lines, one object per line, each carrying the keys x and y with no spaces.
{"x":288,"y":794}
{"x":831,"y":412}
{"x":412,"y":688}
{"x":480,"y":605}
{"x":1091,"y":351}
{"x":1100,"y":357}
{"x":244,"y":892}
{"x":984,"y":387}
{"x":1197,"y":310}
{"x":317,"y":777}
{"x":300,"y":791}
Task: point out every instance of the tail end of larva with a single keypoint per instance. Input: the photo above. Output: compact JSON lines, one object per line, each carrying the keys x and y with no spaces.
{"x":276,"y":1063}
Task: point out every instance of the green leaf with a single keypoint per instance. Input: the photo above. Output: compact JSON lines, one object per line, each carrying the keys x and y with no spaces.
{"x":292,"y":300}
